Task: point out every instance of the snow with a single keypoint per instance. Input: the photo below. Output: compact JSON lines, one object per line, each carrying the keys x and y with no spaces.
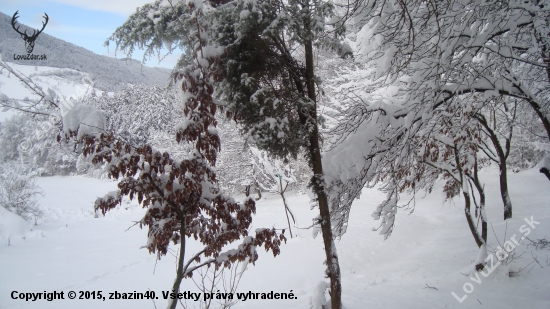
{"x":65,"y":82}
{"x":430,"y":247}
{"x":318,"y":300}
{"x":212,"y":51}
{"x":482,"y":255}
{"x":244,"y":14}
{"x":545,"y":163}
{"x":84,"y":119}
{"x":12,"y":226}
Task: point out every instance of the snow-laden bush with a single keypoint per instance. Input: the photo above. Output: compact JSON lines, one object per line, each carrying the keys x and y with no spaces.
{"x":32,"y":142}
{"x":241,"y":165}
{"x":19,"y":192}
{"x":137,"y":111}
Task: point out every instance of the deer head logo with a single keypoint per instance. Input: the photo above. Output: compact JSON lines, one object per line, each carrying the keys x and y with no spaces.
{"x":29,"y":40}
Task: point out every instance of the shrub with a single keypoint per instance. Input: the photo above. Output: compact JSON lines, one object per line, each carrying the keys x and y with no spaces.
{"x":19,"y":192}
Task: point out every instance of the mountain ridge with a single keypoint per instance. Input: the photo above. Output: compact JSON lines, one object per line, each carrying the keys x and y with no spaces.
{"x":109,"y":74}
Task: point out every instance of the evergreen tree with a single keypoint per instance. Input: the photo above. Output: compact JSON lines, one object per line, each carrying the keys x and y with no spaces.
{"x":270,"y":87}
{"x":261,"y":54}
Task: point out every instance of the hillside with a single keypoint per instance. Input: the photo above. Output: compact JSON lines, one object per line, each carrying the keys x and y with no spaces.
{"x":108,"y":73}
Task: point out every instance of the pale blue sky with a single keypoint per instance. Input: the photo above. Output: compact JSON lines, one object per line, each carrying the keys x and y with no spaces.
{"x":86,"y":23}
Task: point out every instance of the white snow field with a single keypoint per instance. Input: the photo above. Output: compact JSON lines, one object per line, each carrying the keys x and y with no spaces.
{"x":71,"y":250}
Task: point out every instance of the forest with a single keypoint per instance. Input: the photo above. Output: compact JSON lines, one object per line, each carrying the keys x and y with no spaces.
{"x":321,"y":98}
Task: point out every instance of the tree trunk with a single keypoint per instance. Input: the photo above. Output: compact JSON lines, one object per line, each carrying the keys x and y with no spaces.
{"x":258,"y":191}
{"x":282,"y":193}
{"x":545,"y":53}
{"x":503,"y":173}
{"x":481,"y":192}
{"x":181,"y":259}
{"x":546,"y":172}
{"x":467,"y":200}
{"x":333,"y":265}
{"x":504,"y":190}
{"x":542,"y":116}
{"x":471,"y":224}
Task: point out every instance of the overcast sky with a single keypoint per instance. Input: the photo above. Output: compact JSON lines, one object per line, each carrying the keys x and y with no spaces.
{"x":86,"y":23}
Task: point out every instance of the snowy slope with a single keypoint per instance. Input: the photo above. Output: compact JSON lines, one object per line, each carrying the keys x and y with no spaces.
{"x":431,"y":247}
{"x":66,"y":82}
{"x":109,"y":73}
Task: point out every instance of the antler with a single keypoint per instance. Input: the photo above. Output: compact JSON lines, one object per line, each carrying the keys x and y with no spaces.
{"x":43,"y":25}
{"x":34,"y":34}
{"x":13,"y":19}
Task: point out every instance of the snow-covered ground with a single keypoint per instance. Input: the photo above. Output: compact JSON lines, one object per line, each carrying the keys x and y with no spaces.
{"x":71,"y":250}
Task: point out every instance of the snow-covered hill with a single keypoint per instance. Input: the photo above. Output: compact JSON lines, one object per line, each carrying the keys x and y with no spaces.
{"x":108,"y":73}
{"x":426,"y":259}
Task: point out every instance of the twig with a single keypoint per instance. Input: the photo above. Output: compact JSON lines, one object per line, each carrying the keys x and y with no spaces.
{"x":307,"y":228}
{"x":431,"y":287}
{"x":496,"y":237}
{"x":536,"y":260}
{"x":539,"y":243}
{"x":131,"y":226}
{"x":153,"y":300}
{"x":506,"y":230}
{"x":525,"y":267}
